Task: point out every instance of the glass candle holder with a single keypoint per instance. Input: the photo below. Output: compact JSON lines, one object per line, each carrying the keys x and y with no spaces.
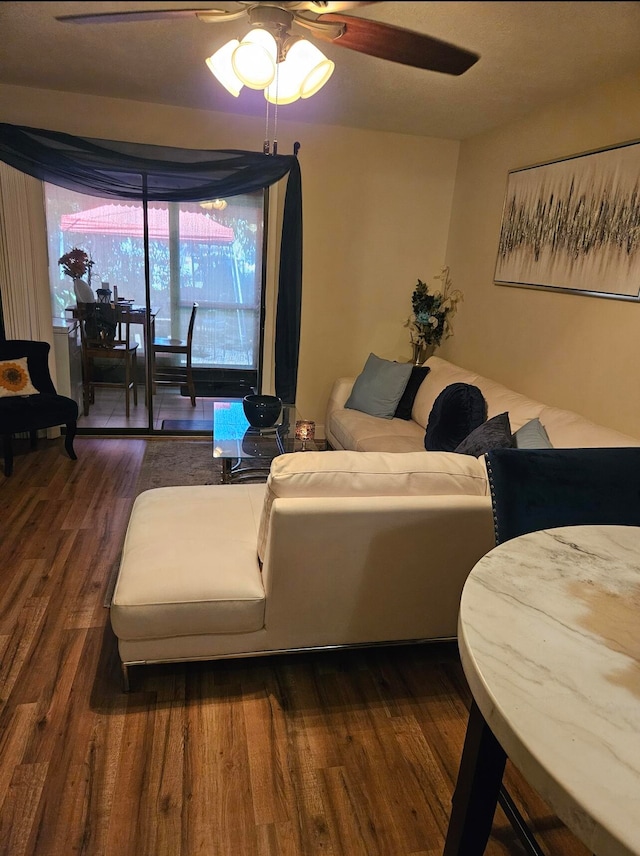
{"x":305,"y":431}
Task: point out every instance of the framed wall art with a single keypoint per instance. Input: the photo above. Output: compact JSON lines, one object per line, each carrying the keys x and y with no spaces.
{"x":574,"y":225}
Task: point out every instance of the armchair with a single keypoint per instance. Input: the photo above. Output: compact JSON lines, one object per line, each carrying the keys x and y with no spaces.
{"x":38,"y":405}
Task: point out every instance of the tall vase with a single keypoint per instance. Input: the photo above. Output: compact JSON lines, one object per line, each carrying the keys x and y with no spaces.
{"x":83,"y":291}
{"x":421,"y":352}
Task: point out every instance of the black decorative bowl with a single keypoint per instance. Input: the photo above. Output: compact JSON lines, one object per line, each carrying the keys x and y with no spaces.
{"x":262,"y":411}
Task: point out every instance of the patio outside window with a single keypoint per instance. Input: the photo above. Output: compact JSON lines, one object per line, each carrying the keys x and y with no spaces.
{"x":198,"y":253}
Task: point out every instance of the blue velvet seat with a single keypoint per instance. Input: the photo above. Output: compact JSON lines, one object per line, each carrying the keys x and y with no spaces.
{"x":31,"y":413}
{"x":533,"y":489}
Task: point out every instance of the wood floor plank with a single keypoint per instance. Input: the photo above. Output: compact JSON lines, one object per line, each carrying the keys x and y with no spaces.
{"x":18,"y":649}
{"x":13,"y":742}
{"x":322,"y":754}
{"x":163,"y":803}
{"x":304,"y":786}
{"x":19,"y":809}
{"x":279,"y":839}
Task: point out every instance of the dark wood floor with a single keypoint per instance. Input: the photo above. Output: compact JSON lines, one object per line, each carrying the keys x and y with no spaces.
{"x":331,"y":754}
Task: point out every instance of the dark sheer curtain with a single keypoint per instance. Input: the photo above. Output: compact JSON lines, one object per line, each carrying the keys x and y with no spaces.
{"x":149,"y":173}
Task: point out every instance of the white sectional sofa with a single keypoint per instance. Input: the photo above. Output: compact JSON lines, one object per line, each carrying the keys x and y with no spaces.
{"x":352,"y":429}
{"x":370,"y":543}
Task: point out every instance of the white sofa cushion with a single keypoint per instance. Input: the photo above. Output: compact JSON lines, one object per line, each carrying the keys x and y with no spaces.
{"x":341,"y":473}
{"x":354,"y":430}
{"x":567,"y":430}
{"x":174,"y":580}
{"x":499,"y":398}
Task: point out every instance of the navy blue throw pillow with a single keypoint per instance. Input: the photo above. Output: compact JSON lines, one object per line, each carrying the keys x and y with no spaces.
{"x":405,"y":405}
{"x":495,"y":433}
{"x":457,"y":411}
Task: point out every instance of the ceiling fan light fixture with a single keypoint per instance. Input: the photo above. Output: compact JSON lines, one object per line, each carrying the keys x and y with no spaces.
{"x":314,"y":68}
{"x":254,"y":60}
{"x":217,"y":204}
{"x":285,"y":87}
{"x":219,"y":65}
{"x":304,"y":71}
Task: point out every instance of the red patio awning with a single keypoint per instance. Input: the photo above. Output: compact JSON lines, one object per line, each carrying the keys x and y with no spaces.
{"x":126,"y":221}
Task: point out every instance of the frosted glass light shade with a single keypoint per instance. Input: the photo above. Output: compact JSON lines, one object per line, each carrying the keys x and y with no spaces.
{"x":254,"y":60}
{"x":285,"y":88}
{"x":220,"y":66}
{"x":314,"y":69}
{"x":302,"y":74}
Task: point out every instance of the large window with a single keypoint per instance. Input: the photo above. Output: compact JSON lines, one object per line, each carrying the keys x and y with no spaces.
{"x":209,"y":253}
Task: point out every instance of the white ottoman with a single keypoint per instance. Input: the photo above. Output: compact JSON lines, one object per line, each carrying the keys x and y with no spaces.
{"x":189,"y":574}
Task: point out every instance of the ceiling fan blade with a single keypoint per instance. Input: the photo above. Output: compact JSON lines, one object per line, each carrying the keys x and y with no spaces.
{"x":398,"y":45}
{"x":324,"y":8}
{"x":206,"y":15}
{"x":146,"y":15}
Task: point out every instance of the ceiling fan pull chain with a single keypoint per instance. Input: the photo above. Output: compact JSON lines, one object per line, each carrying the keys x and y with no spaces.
{"x":265,"y":145}
{"x":275,"y":112}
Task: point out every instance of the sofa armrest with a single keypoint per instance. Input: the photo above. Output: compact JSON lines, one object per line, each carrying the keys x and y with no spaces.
{"x":340,"y":392}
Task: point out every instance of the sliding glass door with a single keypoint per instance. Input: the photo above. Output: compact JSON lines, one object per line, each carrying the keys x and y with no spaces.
{"x":209,"y":254}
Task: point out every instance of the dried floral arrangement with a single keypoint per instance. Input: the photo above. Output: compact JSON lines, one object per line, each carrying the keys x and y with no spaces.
{"x":430,"y":321}
{"x":76,"y":263}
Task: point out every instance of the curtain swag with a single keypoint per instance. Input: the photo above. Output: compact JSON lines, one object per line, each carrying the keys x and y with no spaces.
{"x":150,"y":173}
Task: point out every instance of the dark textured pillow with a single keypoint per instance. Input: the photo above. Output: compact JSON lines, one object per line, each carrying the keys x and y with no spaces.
{"x":456,"y":412}
{"x":405,"y":405}
{"x":379,"y":387}
{"x":495,"y":433}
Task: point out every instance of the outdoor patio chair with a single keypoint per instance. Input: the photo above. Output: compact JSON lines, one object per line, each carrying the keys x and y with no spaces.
{"x":175,"y":374}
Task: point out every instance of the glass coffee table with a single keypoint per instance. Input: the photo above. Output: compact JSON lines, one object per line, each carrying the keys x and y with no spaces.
{"x":245,"y":452}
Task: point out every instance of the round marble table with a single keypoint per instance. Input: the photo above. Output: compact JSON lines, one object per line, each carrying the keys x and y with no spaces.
{"x":549,"y":637}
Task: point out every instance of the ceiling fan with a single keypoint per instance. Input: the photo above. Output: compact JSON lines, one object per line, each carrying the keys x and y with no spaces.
{"x":323,"y":21}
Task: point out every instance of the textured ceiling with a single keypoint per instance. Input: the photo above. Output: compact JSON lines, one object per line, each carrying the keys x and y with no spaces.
{"x":532,"y":53}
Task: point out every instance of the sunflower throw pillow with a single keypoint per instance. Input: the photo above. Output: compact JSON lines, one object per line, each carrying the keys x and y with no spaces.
{"x":15,"y":379}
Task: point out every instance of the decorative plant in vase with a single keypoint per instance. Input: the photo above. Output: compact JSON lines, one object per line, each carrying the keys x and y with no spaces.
{"x":430,"y":321}
{"x":76,"y":264}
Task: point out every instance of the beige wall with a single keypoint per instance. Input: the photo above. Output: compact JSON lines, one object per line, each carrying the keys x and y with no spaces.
{"x":376,"y":215}
{"x":574,"y":351}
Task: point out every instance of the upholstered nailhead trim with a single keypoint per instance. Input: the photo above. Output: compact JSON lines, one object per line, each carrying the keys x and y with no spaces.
{"x":493,"y":499}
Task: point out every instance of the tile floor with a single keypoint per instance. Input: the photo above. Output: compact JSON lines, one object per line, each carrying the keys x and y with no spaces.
{"x":108,"y":411}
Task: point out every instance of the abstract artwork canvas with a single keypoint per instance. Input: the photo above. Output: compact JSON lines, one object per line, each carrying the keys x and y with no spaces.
{"x":574,"y":225}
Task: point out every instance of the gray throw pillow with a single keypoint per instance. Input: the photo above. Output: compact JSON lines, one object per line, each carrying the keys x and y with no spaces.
{"x":495,"y":433}
{"x":378,"y":389}
{"x":532,"y":435}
